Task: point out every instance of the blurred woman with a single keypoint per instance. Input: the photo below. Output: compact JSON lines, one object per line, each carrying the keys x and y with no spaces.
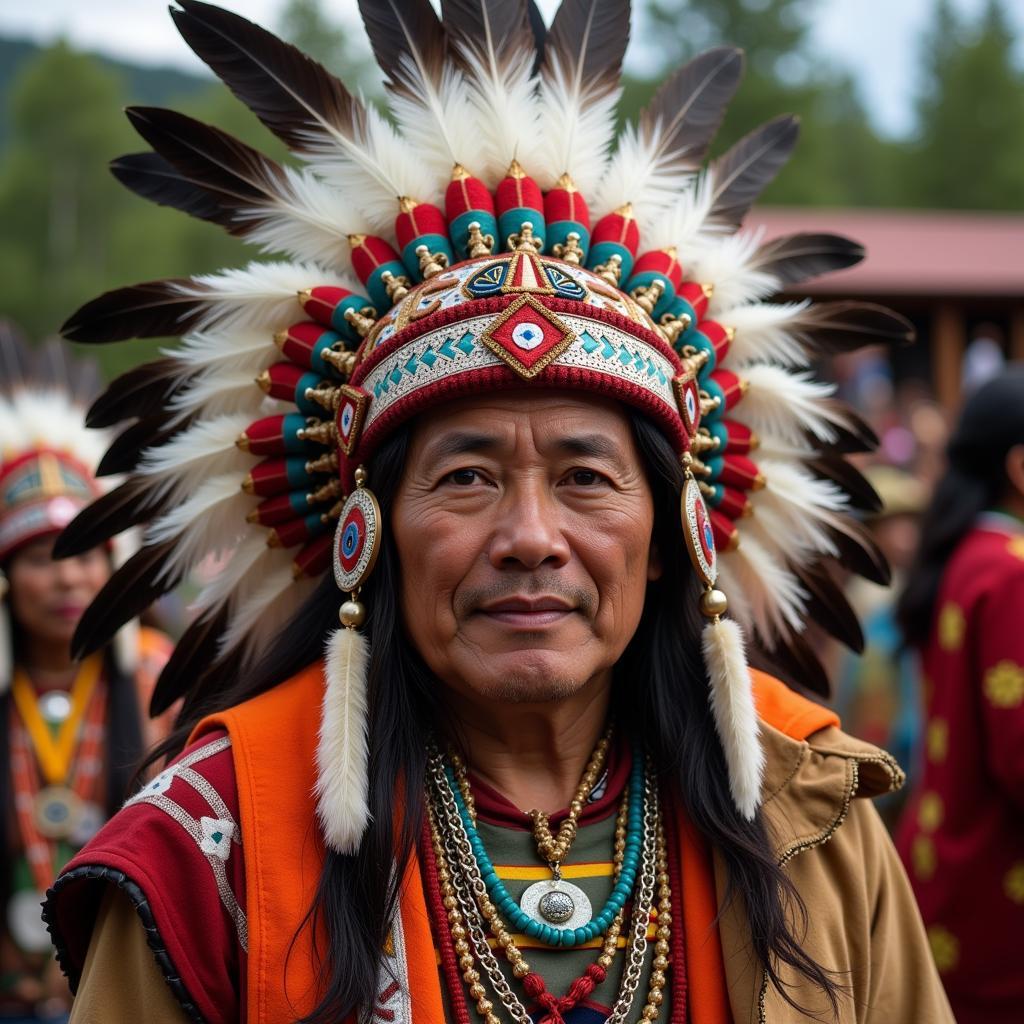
{"x":962,"y":836}
{"x":71,"y":732}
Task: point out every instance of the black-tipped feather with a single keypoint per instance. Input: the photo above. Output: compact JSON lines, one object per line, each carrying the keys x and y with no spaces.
{"x":153,"y":309}
{"x":137,"y":392}
{"x":846,"y":326}
{"x":293,"y":95}
{"x":127,"y":593}
{"x":150,"y":176}
{"x":126,"y":450}
{"x":745,"y":171}
{"x":405,"y":32}
{"x":795,"y":258}
{"x":860,"y":554}
{"x":194,"y":653}
{"x":833,"y":467}
{"x":112,"y":513}
{"x":828,"y":607}
{"x":587,"y":40}
{"x":506,"y":23}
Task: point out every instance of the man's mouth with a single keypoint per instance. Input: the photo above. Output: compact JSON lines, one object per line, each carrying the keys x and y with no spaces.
{"x":534,"y":611}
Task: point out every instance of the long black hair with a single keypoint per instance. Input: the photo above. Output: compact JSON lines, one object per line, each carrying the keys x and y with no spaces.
{"x":990,"y":424}
{"x":668,"y":707}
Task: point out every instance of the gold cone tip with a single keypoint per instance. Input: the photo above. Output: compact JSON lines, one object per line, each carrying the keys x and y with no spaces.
{"x":297,"y":571}
{"x":242,"y":442}
{"x":730,"y":334}
{"x":759,"y":482}
{"x":274,"y":541}
{"x":248,"y":484}
{"x":744,"y":385}
{"x":625,"y":210}
{"x":734,"y":541}
{"x":515,"y":170}
{"x":280,"y":337}
{"x":406,"y":204}
{"x":671,"y":251}
{"x":355,"y":241}
{"x":305,"y":294}
{"x":253,"y":517}
{"x":263,"y":381}
{"x":565,"y":182}
{"x":708,"y":290}
{"x":755,"y":441}
{"x":459,"y":173}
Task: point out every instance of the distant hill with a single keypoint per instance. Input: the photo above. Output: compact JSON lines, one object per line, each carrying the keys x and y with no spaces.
{"x":144,"y":85}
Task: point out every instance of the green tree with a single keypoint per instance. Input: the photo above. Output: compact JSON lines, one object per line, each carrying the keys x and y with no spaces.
{"x":969,"y":149}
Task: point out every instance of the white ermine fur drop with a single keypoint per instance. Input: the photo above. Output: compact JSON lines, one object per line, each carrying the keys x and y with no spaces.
{"x":732,"y":704}
{"x":342,"y":783}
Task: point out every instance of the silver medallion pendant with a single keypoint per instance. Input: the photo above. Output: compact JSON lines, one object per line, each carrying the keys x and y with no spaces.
{"x":557,"y":903}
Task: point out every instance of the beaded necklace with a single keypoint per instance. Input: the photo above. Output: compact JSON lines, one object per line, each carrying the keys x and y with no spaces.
{"x":470,"y":910}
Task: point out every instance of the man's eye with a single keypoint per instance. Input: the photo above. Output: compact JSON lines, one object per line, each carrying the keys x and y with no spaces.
{"x":463,"y":477}
{"x":584,"y":477}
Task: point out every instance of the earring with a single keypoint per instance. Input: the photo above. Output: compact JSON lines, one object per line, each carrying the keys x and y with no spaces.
{"x":731,"y":693}
{"x":342,"y":786}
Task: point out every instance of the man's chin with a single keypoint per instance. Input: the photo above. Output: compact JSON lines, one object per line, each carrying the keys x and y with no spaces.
{"x":527,"y":688}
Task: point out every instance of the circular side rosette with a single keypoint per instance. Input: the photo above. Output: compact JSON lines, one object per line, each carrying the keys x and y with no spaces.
{"x":700,"y":538}
{"x":356,"y":540}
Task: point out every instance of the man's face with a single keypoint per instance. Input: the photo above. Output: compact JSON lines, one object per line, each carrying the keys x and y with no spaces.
{"x":523,"y":527}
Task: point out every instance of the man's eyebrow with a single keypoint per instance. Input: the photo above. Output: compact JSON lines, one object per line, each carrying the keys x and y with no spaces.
{"x":461,"y":442}
{"x":595,"y":446}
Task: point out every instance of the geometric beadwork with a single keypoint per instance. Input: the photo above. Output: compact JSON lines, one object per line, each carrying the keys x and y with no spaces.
{"x":700,"y":538}
{"x":356,"y":540}
{"x":527,"y":336}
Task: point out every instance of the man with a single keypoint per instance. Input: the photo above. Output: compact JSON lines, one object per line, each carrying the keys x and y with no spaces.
{"x":517,"y":796}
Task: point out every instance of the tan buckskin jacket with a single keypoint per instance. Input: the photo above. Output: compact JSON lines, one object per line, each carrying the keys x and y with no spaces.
{"x":863,"y":922}
{"x":862,"y":919}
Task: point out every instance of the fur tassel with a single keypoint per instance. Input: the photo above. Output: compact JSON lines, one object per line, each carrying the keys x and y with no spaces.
{"x":342,"y":782}
{"x":732,"y":704}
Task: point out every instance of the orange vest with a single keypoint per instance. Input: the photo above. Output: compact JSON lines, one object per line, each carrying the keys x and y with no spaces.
{"x":273,"y":742}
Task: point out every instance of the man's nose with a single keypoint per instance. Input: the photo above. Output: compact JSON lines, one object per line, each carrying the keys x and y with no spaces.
{"x":528,"y":530}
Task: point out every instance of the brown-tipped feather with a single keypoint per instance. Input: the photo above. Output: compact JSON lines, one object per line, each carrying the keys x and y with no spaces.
{"x":834,"y":467}
{"x":846,"y":326}
{"x":470,"y":22}
{"x":112,"y":513}
{"x":408,"y":29}
{"x":150,"y":176}
{"x":828,"y":607}
{"x":127,"y":593}
{"x":587,"y":40}
{"x":853,"y":439}
{"x":137,"y":392}
{"x":795,"y":258}
{"x":192,"y":656}
{"x":288,"y":91}
{"x":746,"y":170}
{"x":153,"y":309}
{"x":688,"y":107}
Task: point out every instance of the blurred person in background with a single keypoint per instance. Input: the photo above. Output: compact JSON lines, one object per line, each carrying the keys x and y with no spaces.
{"x":877,"y":691}
{"x":962,"y":836}
{"x":72,"y":733}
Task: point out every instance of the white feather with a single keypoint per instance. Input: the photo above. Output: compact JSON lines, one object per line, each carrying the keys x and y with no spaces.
{"x":732,"y":705}
{"x":209,"y":522}
{"x":776,"y":599}
{"x":235,"y":350}
{"x":342,"y":783}
{"x":216,"y":394}
{"x":764,"y":334}
{"x":683,"y":223}
{"x":273,"y":582}
{"x":786,"y":404}
{"x":726,"y":262}
{"x":205,"y":449}
{"x":505,"y":103}
{"x":308,"y":220}
{"x":574,"y":131}
{"x":802,"y":504}
{"x":260,"y":295}
{"x":372,"y":169}
{"x":442,"y":127}
{"x":238,"y":577}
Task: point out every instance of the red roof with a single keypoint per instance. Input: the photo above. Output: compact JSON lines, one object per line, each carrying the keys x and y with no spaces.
{"x":914,"y":253}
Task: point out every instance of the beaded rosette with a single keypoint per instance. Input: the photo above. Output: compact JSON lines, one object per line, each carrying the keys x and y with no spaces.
{"x":498,"y":237}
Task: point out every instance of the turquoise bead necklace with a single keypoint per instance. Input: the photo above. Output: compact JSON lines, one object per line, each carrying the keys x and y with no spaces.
{"x":513,"y":913}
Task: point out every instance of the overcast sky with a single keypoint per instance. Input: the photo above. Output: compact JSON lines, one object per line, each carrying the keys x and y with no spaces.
{"x":876,"y":39}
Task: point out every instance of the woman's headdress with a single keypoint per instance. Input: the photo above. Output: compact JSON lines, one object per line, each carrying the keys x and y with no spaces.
{"x":489,"y":234}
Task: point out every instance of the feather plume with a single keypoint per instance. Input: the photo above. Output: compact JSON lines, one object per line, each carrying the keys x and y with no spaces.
{"x":136,"y":392}
{"x":209,"y":522}
{"x":727,"y":263}
{"x":793,"y":259}
{"x":742,"y":174}
{"x":342,"y":783}
{"x":126,"y":449}
{"x":804,"y":507}
{"x":495,"y":50}
{"x":828,"y":607}
{"x":152,"y":309}
{"x":775,"y":598}
{"x":765,"y":333}
{"x":429,"y":97}
{"x":785,"y":404}
{"x":578,"y":92}
{"x":347,"y":142}
{"x":732,"y":706}
{"x":120,"y":509}
{"x":221,"y":393}
{"x":279,"y":208}
{"x":151,"y":177}
{"x":656,"y":158}
{"x":684,"y":224}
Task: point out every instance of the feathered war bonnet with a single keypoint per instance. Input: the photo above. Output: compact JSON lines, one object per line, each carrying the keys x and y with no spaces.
{"x":497,"y":237}
{"x":48,"y":461}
